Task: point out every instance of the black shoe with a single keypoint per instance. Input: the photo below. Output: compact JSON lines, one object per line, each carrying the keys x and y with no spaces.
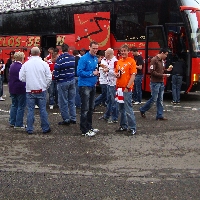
{"x":64,"y":123}
{"x":121,"y":129}
{"x":161,"y":119}
{"x":142,"y":114}
{"x":173,"y":102}
{"x":72,"y":122}
{"x":48,"y":131}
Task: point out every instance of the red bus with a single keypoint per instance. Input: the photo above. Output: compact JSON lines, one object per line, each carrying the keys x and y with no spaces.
{"x":147,"y":24}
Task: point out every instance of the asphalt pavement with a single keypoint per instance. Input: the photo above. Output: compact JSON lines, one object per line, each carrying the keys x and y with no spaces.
{"x":161,"y":162}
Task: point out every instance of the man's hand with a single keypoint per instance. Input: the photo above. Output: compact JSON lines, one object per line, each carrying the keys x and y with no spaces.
{"x":96,"y":72}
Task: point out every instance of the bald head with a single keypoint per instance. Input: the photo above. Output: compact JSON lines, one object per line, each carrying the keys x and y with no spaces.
{"x":35,"y":51}
{"x":109,"y":53}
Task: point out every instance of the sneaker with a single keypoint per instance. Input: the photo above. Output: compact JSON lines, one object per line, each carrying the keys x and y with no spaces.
{"x":19,"y":127}
{"x":112,"y":121}
{"x":48,"y":131}
{"x":29,"y":132}
{"x":96,"y":130}
{"x":11,"y":125}
{"x":90,"y":133}
{"x":162,"y":119}
{"x":36,"y":106}
{"x":51,"y":107}
{"x":1,"y":99}
{"x":121,"y":129}
{"x":132,"y":131}
{"x":102,"y":117}
{"x":142,"y":114}
{"x":178,"y":102}
{"x":137,"y":103}
{"x":72,"y":121}
{"x":4,"y":96}
{"x":173,"y":102}
{"x":64,"y":123}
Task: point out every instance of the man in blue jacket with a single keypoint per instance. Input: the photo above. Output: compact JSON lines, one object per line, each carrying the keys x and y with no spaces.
{"x":87,"y":77}
{"x":64,"y":72}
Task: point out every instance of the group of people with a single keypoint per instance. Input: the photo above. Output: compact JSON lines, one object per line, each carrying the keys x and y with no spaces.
{"x":71,"y":83}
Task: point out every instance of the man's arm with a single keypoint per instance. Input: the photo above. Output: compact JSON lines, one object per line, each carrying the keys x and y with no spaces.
{"x":81,"y":69}
{"x":48,"y":75}
{"x":22,"y":74}
{"x":153,"y":69}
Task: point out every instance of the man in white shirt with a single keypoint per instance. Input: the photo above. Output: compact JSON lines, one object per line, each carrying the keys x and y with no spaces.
{"x":37,"y":75}
{"x":109,"y":62}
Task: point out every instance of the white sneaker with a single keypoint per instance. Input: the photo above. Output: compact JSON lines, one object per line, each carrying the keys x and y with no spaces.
{"x":19,"y":127}
{"x":36,"y":106}
{"x":95,"y":130}
{"x":90,"y":133}
{"x":136,"y":103}
{"x":1,"y":99}
{"x":133,"y":132}
{"x":51,"y":107}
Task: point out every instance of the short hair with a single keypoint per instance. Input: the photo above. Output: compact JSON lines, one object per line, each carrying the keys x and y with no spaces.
{"x":164,"y":50}
{"x":18,"y":56}
{"x":51,"y":48}
{"x":12,"y":53}
{"x":35,"y":51}
{"x":75,"y":52}
{"x":93,"y":42}
{"x":56,"y":50}
{"x":125,"y":46}
{"x":1,"y":61}
{"x":65,"y":47}
{"x":134,"y":49}
{"x":101,"y":53}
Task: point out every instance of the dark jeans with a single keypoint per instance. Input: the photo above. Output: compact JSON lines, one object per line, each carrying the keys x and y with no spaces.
{"x":77,"y":98}
{"x":176,"y":87}
{"x":137,"y":93}
{"x":53,"y":93}
{"x":1,"y":85}
{"x":87,"y":95}
{"x":102,"y":97}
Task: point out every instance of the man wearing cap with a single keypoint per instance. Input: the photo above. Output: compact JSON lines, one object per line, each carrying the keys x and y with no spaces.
{"x":37,"y":75}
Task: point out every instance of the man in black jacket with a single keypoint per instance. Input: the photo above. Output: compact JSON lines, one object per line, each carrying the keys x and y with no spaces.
{"x":178,"y":72}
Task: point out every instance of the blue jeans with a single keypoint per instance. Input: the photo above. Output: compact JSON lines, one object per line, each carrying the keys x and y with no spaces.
{"x":157,"y":91}
{"x":112,"y":105}
{"x":102,"y":97}
{"x":87,"y":95}
{"x":176,"y":87}
{"x":17,"y":109}
{"x":1,"y":84}
{"x":137,"y":93}
{"x":41,"y":102}
{"x":77,"y":98}
{"x":53,"y":93}
{"x":66,"y":100}
{"x":127,"y":119}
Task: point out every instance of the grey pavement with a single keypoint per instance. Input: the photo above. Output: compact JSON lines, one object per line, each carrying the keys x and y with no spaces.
{"x":162,"y":161}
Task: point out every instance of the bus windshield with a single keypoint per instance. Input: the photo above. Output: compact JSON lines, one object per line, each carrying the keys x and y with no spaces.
{"x":194,"y":20}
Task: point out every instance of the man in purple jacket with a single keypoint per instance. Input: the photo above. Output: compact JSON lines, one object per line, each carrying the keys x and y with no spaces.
{"x":17,"y":92}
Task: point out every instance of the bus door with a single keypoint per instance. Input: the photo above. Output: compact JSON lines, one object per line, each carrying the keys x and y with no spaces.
{"x":177,"y":42}
{"x":155,"y":40}
{"x":47,"y":41}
